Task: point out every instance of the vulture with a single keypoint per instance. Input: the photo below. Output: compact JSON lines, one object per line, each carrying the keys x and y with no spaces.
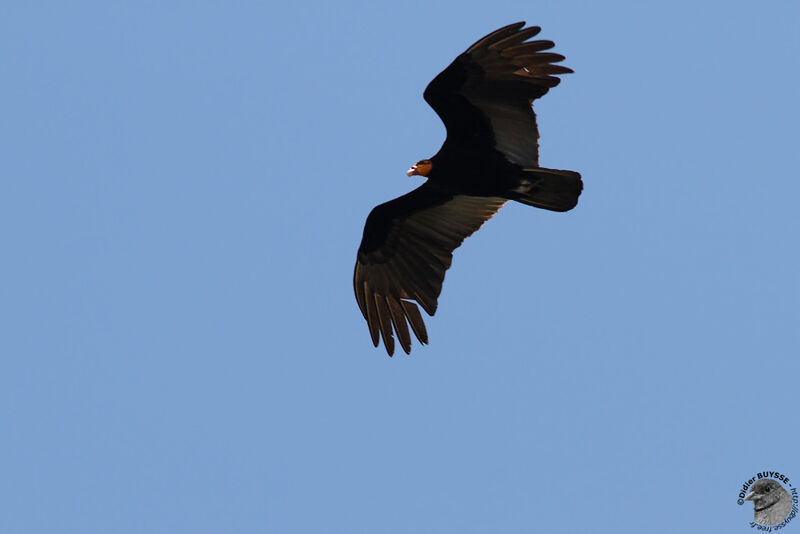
{"x":489,"y":157}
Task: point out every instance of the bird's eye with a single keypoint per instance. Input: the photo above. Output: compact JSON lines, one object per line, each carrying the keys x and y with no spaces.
{"x":767,"y":489}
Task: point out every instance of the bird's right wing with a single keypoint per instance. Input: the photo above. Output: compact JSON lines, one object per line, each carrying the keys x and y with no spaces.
{"x":407,"y":246}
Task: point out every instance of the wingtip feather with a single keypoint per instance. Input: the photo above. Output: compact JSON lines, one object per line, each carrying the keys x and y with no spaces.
{"x":497,"y":35}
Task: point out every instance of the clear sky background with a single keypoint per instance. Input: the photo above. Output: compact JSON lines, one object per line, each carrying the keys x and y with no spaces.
{"x":184,"y":187}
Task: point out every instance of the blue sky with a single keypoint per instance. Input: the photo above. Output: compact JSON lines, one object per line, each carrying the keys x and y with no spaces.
{"x":184,"y":190}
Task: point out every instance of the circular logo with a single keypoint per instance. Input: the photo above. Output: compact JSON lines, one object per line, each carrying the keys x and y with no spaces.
{"x":775,"y":500}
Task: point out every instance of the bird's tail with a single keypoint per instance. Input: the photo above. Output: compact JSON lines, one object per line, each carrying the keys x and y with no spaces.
{"x":551,"y":189}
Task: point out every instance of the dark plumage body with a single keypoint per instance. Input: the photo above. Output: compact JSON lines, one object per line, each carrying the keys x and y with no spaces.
{"x":490,"y":156}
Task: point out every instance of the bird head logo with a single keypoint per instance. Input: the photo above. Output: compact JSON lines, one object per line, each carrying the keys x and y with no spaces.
{"x":771,"y":502}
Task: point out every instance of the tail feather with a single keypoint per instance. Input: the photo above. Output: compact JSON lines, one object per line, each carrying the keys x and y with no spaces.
{"x":551,"y":189}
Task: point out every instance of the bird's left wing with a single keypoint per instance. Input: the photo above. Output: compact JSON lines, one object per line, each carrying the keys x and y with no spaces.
{"x":407,"y":246}
{"x":484,"y":96}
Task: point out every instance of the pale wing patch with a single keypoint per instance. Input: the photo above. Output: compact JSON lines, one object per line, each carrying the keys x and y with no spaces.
{"x":515,"y":130}
{"x":411,"y":265}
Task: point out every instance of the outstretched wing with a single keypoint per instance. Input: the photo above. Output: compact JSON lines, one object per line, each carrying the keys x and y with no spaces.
{"x":407,"y":246}
{"x":484,"y":97}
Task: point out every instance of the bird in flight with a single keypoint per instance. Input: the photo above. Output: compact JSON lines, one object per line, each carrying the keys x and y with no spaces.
{"x":490,"y":156}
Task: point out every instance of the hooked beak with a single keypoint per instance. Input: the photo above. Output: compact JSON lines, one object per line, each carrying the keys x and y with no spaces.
{"x":420,"y":168}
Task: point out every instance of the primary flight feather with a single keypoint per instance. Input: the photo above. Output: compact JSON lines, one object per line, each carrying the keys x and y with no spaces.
{"x":490,"y":156}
